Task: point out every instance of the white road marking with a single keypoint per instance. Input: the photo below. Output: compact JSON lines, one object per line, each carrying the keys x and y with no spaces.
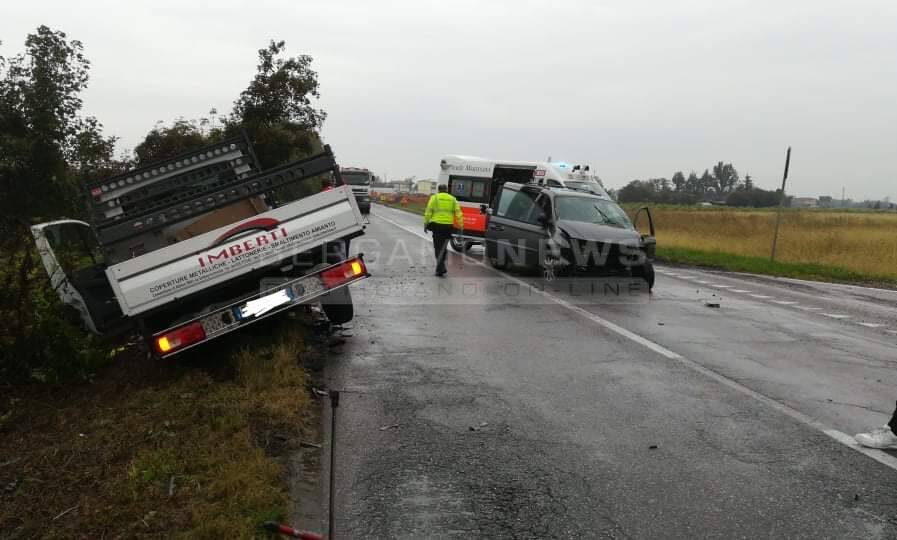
{"x":761,"y":296}
{"x":809,"y":308}
{"x":740,"y":291}
{"x":784,"y":302}
{"x":837,"y":315}
{"x":871,"y":324}
{"x":702,"y":282}
{"x":892,"y":332}
{"x":882,"y":457}
{"x":718,"y":286}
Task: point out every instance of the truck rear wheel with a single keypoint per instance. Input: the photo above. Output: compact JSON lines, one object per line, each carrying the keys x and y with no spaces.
{"x":337,"y":305}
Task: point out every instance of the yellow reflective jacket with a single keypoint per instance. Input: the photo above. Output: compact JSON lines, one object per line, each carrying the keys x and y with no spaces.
{"x":444,"y":209}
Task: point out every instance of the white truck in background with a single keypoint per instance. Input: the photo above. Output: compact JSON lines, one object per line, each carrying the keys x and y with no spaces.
{"x":194,"y":247}
{"x":360,"y":180}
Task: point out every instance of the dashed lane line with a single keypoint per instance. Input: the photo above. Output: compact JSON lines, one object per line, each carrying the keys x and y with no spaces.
{"x":843,"y":438}
{"x":838,"y":316}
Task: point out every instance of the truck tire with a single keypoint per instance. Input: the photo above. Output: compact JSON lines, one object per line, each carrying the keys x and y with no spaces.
{"x":337,"y":305}
{"x":646,"y":272}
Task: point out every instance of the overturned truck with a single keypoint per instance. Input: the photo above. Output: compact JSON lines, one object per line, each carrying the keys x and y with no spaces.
{"x":190,"y":248}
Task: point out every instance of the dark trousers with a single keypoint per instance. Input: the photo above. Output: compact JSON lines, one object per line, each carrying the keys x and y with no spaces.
{"x":441,"y":235}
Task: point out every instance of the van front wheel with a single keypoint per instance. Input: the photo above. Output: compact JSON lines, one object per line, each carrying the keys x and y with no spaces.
{"x":460,"y":245}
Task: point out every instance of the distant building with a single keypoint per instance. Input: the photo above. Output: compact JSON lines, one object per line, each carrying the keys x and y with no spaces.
{"x":804,"y":202}
{"x":826,"y":202}
{"x":402,"y":186}
{"x":427,"y":187}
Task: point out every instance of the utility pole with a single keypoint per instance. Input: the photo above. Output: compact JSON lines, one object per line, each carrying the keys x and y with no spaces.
{"x":843,"y":200}
{"x":775,"y":236}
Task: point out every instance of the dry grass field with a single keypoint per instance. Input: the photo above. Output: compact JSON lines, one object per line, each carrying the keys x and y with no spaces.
{"x":851,"y":245}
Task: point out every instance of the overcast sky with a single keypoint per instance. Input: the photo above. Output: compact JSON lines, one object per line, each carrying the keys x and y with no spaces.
{"x":636,"y":89}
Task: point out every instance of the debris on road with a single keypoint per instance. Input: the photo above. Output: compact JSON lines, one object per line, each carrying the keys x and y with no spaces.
{"x":479,"y":427}
{"x":319,"y":392}
{"x":306,"y":444}
{"x":712,"y":303}
{"x":652,"y":447}
{"x":391,"y":426}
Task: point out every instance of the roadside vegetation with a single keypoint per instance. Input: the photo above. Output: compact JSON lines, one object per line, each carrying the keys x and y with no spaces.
{"x":193,"y":447}
{"x":413,"y":203}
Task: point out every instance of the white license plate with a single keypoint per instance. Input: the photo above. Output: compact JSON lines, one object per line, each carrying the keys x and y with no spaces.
{"x":260,"y":306}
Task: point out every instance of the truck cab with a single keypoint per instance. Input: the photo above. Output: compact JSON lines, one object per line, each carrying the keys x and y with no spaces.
{"x":360,"y":181}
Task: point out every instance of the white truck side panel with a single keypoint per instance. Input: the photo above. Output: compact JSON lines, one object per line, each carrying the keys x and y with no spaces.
{"x":185,"y":268}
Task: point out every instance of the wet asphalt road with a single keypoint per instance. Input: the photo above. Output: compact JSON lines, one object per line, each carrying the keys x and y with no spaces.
{"x":473,"y":410}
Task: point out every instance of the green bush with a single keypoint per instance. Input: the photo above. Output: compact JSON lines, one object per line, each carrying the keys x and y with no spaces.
{"x":37,"y":342}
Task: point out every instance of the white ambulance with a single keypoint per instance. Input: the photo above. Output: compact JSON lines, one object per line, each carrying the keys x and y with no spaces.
{"x":474,"y":181}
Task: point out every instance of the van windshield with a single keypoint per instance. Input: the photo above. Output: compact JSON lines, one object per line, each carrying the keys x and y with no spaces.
{"x":356,"y":179}
{"x":592,"y":210}
{"x":592,"y":187}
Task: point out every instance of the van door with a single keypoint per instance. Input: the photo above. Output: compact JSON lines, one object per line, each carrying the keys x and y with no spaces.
{"x":72,"y":259}
{"x":516,"y":231}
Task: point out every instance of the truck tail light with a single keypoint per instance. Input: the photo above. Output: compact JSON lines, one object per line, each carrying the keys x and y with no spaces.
{"x":179,"y":338}
{"x":343,"y":273}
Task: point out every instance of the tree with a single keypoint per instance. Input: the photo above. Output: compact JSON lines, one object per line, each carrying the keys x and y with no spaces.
{"x":693,"y":184}
{"x":163,"y":142}
{"x":748,"y":182}
{"x":276,"y":108}
{"x":757,"y":198}
{"x":725,"y":178}
{"x":679,"y":181}
{"x":43,"y":132}
{"x":707,"y":182}
{"x":46,"y":149}
{"x":636,"y":191}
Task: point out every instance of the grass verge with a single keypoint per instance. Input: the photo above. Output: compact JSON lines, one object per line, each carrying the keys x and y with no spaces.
{"x":762,"y":265}
{"x":412,"y":206}
{"x":158,"y":449}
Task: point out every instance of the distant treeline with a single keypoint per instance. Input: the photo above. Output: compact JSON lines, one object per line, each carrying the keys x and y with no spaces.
{"x":723,"y":185}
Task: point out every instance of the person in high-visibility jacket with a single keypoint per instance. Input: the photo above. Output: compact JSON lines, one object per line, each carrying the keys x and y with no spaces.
{"x":442,"y":215}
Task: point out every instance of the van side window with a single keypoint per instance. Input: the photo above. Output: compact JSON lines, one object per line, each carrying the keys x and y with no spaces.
{"x":519,"y":206}
{"x":554,"y":183}
{"x":470,"y":189}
